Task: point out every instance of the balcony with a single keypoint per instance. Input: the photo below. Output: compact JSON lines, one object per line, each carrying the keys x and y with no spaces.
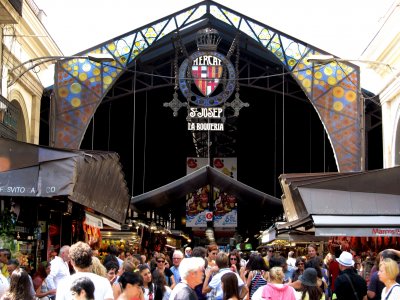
{"x":9,"y":115}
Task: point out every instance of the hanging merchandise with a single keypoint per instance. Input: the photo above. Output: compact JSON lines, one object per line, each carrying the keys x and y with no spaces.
{"x":91,"y":228}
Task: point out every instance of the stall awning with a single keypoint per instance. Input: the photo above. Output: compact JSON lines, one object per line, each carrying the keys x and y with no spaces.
{"x":343,"y":204}
{"x":206,"y":175}
{"x":91,"y":178}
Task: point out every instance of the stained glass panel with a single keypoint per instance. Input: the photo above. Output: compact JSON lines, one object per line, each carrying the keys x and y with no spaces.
{"x":235,"y":19}
{"x":200,"y":12}
{"x":183,"y":17}
{"x":246,"y":29}
{"x":217,"y":13}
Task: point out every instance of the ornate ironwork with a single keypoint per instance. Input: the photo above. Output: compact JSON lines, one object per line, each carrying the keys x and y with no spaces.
{"x":334,"y":89}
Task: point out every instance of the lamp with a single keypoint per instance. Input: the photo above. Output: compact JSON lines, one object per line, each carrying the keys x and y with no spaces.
{"x":95,"y":57}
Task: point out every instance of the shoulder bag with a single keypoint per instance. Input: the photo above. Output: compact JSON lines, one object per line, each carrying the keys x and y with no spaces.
{"x":352,"y":286}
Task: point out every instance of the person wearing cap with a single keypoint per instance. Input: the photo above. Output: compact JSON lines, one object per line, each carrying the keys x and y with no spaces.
{"x":309,"y":286}
{"x":349,"y":284}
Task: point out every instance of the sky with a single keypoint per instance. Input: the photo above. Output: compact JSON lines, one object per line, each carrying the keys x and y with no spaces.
{"x":343,"y":28}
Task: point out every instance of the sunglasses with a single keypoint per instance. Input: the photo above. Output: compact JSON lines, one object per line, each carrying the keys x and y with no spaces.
{"x":233,"y":258}
{"x":160,"y":261}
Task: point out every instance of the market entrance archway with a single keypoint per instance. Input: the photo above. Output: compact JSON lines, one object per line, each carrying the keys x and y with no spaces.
{"x":332,"y":89}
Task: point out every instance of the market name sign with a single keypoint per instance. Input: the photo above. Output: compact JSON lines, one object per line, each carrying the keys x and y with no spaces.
{"x":203,"y":112}
{"x":207,"y":80}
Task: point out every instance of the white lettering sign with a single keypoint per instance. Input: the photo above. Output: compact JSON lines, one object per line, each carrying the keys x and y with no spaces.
{"x":205,"y":112}
{"x":207,"y":60}
{"x":208,"y":126}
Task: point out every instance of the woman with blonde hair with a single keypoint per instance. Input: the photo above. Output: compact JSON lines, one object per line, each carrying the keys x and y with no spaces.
{"x":388,"y":271}
{"x":275,"y":289}
{"x":98,"y":268}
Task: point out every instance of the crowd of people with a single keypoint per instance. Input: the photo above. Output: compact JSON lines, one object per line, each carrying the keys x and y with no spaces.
{"x":200,"y":274}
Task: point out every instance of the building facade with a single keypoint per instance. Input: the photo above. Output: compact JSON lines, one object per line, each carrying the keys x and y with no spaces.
{"x":23,"y":38}
{"x":384,"y":49}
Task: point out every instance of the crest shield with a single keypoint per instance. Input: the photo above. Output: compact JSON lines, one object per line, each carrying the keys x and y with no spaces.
{"x":206,"y":77}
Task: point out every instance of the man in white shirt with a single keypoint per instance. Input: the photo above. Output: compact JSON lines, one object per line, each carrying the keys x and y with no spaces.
{"x":81,"y":259}
{"x":291,"y":261}
{"x":59,"y":268}
{"x":222,"y":268}
{"x":4,"y":285}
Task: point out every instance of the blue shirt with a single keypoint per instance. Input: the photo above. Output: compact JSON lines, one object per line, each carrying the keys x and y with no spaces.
{"x":177,"y":276}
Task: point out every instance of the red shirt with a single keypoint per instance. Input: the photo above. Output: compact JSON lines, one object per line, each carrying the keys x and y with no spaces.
{"x":333,"y":272}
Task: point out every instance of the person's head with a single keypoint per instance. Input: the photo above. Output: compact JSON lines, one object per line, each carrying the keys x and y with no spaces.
{"x":81,"y":255}
{"x":290,"y":254}
{"x":309,"y":277}
{"x":144,"y":271}
{"x":277,"y":275}
{"x":5,"y":255}
{"x":234,"y":258}
{"x":97,"y":267}
{"x":222,"y":260}
{"x":64,"y":253}
{"x":300,"y":263}
{"x":270,"y":252}
{"x":388,"y":270}
{"x":20,"y":284}
{"x":312,"y":250}
{"x":388,"y":254}
{"x":212,"y":251}
{"x":127,"y":266}
{"x":160,"y":260}
{"x":345,"y":260}
{"x":230,"y":286}
{"x":82,"y":289}
{"x":199,"y":252}
{"x":191,"y":270}
{"x":328,"y":258}
{"x":43,"y":270}
{"x":121,"y":254}
{"x":256,"y":262}
{"x":278,"y":261}
{"x":131,"y":283}
{"x":167,"y":262}
{"x":188,"y":251}
{"x":177,"y":258}
{"x":113,"y":250}
{"x":135,"y":256}
{"x":112,"y":269}
{"x":144,"y":258}
{"x":12,"y":264}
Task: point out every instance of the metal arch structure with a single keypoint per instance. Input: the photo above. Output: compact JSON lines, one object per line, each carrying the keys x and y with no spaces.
{"x":333,"y":89}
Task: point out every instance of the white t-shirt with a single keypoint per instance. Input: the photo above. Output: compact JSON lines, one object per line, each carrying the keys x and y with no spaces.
{"x":102,"y":287}
{"x":166,"y":295}
{"x":215,"y":282}
{"x":58,"y":270}
{"x":4,"y":285}
{"x":394,"y":292}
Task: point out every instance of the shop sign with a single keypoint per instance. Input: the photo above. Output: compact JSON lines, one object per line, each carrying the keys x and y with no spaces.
{"x":370,"y":232}
{"x":93,"y":221}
